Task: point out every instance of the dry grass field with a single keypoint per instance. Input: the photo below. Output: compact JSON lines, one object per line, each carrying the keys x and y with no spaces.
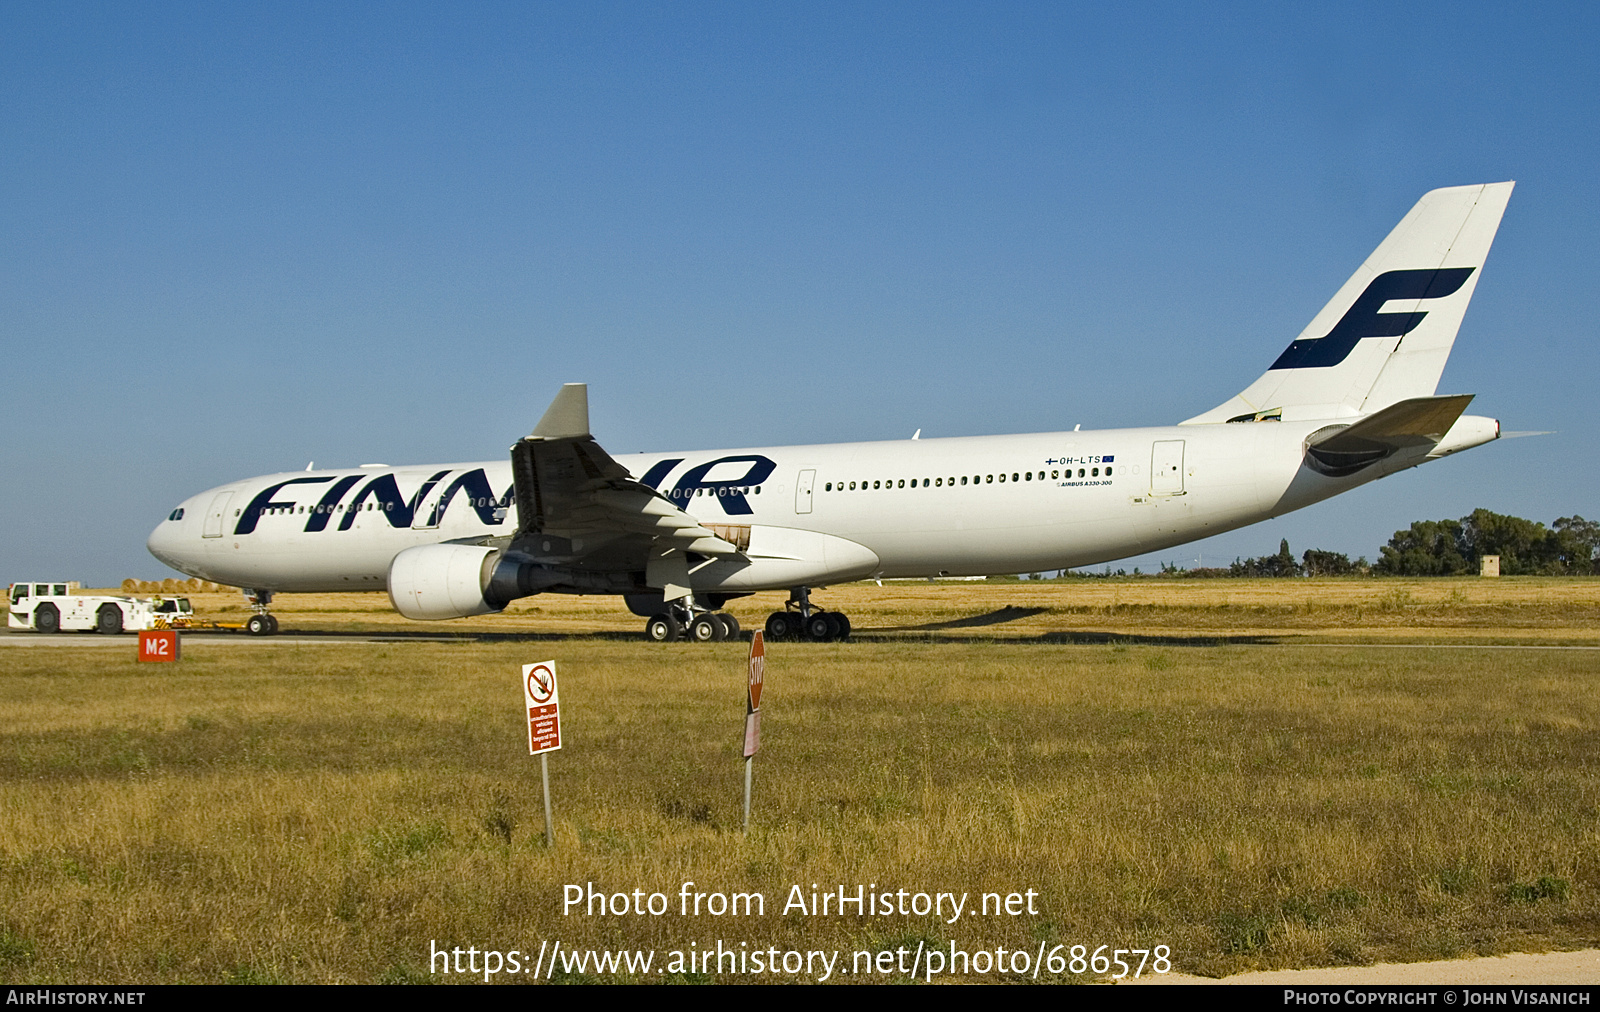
{"x":1509,"y":610}
{"x":1254,"y":774}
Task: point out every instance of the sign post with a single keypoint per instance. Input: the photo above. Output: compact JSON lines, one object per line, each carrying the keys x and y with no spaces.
{"x":543,"y":703}
{"x":752,"y":714}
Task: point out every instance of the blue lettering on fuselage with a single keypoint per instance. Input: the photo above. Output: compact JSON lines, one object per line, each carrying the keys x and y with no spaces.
{"x":263,"y":501}
{"x":729,"y":492}
{"x":479,"y":496}
{"x":399,"y":512}
{"x":659,"y":470}
{"x":491,"y":509}
{"x":322,"y":512}
{"x":385,"y":493}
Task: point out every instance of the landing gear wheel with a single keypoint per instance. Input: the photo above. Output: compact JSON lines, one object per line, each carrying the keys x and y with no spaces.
{"x":783,"y":625}
{"x":707,"y":629}
{"x":108,"y":620}
{"x":844,"y":623}
{"x":730,"y":625}
{"x":272,"y":625}
{"x":258,"y":625}
{"x":822,"y":627}
{"x":662,"y":628}
{"x":47,"y":619}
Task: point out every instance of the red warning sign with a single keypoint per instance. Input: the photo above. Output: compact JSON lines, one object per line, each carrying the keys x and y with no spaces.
{"x":752,"y":714}
{"x":158,"y":645}
{"x":758,"y":669}
{"x":543,"y":703}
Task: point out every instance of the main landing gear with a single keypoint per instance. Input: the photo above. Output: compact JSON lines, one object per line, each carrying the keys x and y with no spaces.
{"x":799,"y":621}
{"x":681,"y":622}
{"x":263,"y":622}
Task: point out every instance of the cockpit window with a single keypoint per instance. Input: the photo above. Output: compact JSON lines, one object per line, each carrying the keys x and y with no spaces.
{"x":176,"y":514}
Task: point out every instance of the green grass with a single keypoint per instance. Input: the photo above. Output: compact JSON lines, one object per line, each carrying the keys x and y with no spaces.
{"x":311,"y":814}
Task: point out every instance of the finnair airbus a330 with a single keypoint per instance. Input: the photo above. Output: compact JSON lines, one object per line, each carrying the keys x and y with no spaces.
{"x":1350,"y":400}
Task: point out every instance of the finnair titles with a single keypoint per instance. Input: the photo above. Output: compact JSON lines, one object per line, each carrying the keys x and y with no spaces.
{"x":676,"y":535}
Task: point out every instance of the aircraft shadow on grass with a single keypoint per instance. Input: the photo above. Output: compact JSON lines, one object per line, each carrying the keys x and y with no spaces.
{"x":927,"y":632}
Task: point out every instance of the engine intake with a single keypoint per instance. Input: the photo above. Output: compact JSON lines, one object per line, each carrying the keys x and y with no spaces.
{"x":432,"y":582}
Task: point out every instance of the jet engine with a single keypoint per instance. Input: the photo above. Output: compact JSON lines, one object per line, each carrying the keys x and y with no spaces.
{"x":443,"y":581}
{"x":432,"y":582}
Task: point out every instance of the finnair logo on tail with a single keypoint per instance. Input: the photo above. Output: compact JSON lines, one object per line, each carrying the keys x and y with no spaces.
{"x":1362,"y":319}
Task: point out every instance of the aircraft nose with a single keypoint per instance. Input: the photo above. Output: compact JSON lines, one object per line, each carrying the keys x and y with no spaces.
{"x":164,"y":542}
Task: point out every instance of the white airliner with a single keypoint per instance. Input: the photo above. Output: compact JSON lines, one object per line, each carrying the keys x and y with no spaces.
{"x":1350,"y":400}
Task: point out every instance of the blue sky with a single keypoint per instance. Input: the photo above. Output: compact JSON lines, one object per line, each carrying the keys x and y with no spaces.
{"x":237,"y":238}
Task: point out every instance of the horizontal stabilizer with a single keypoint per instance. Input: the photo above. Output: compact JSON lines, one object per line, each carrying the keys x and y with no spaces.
{"x":1417,"y":422}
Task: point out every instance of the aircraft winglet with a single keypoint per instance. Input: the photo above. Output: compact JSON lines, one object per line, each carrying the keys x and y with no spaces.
{"x":567,"y":417}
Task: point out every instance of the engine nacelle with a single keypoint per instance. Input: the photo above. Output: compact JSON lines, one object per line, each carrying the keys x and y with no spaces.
{"x":442,"y":581}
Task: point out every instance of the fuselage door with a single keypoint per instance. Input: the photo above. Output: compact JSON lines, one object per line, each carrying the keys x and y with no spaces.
{"x":427,"y":516}
{"x":802,"y":491}
{"x":217,"y":514}
{"x":428,"y":499}
{"x":1166,"y":467}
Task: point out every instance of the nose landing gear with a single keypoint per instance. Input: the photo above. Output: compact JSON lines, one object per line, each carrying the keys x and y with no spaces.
{"x":263,"y":622}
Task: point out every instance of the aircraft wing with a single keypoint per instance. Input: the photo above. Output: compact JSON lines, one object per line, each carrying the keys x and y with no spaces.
{"x":575,"y":501}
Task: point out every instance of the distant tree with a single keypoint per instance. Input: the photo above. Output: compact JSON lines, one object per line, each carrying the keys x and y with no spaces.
{"x":1429,"y":548}
{"x":1578,"y":545}
{"x":1524,"y":546}
{"x":1282,"y":564}
{"x":1319,"y":563}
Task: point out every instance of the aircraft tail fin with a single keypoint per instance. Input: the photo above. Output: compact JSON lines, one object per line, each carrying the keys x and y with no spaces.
{"x":1385,"y":336}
